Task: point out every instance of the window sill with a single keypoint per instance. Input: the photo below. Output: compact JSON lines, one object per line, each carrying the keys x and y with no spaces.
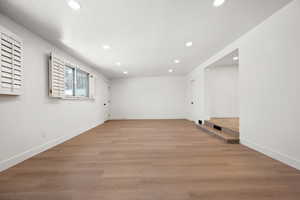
{"x":77,"y":98}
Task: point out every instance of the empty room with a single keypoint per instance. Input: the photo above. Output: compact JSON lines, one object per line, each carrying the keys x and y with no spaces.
{"x":149,"y":99}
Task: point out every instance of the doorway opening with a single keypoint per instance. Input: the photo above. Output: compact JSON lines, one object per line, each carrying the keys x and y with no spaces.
{"x":221,"y":83}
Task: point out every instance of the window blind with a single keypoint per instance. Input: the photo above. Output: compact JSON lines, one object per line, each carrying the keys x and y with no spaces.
{"x":56,"y":76}
{"x":11,"y":65}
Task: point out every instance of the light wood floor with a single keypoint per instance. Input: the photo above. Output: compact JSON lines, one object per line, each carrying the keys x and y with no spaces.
{"x":149,"y":160}
{"x":231,"y":123}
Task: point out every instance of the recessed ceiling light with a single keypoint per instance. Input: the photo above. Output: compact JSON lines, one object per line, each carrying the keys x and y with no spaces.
{"x":218,"y":3}
{"x":189,"y":44}
{"x":171,"y":70}
{"x":235,"y":58}
{"x":176,"y":61}
{"x":74,"y":4}
{"x":106,"y":47}
{"x":118,"y":63}
{"x":125,"y":72}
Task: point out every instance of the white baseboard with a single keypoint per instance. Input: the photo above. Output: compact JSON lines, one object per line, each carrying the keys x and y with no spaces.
{"x":273,"y":154}
{"x":5,"y":164}
{"x":135,"y":117}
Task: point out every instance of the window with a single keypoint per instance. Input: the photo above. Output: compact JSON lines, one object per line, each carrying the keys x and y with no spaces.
{"x":76,"y":82}
{"x":82,"y":84}
{"x":69,"y":81}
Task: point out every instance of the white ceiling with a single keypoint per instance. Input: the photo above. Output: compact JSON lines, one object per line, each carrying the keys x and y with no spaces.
{"x":144,"y":35}
{"x":226,"y":60}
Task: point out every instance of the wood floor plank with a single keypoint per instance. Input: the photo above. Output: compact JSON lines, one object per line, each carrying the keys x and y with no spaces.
{"x":149,"y":160}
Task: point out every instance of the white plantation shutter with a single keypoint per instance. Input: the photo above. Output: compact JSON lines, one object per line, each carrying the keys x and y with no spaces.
{"x":92,"y":80}
{"x":11,"y":65}
{"x":56,"y":76}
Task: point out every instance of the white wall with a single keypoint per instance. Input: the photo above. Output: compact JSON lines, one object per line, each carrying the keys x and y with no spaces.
{"x":269,"y":85}
{"x":148,"y":98}
{"x":33,"y":122}
{"x":221,"y":91}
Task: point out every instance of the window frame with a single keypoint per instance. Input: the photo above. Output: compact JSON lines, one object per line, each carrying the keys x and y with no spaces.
{"x":74,"y":96}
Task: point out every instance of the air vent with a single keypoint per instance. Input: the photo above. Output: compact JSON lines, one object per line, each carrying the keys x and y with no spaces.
{"x":218,"y":128}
